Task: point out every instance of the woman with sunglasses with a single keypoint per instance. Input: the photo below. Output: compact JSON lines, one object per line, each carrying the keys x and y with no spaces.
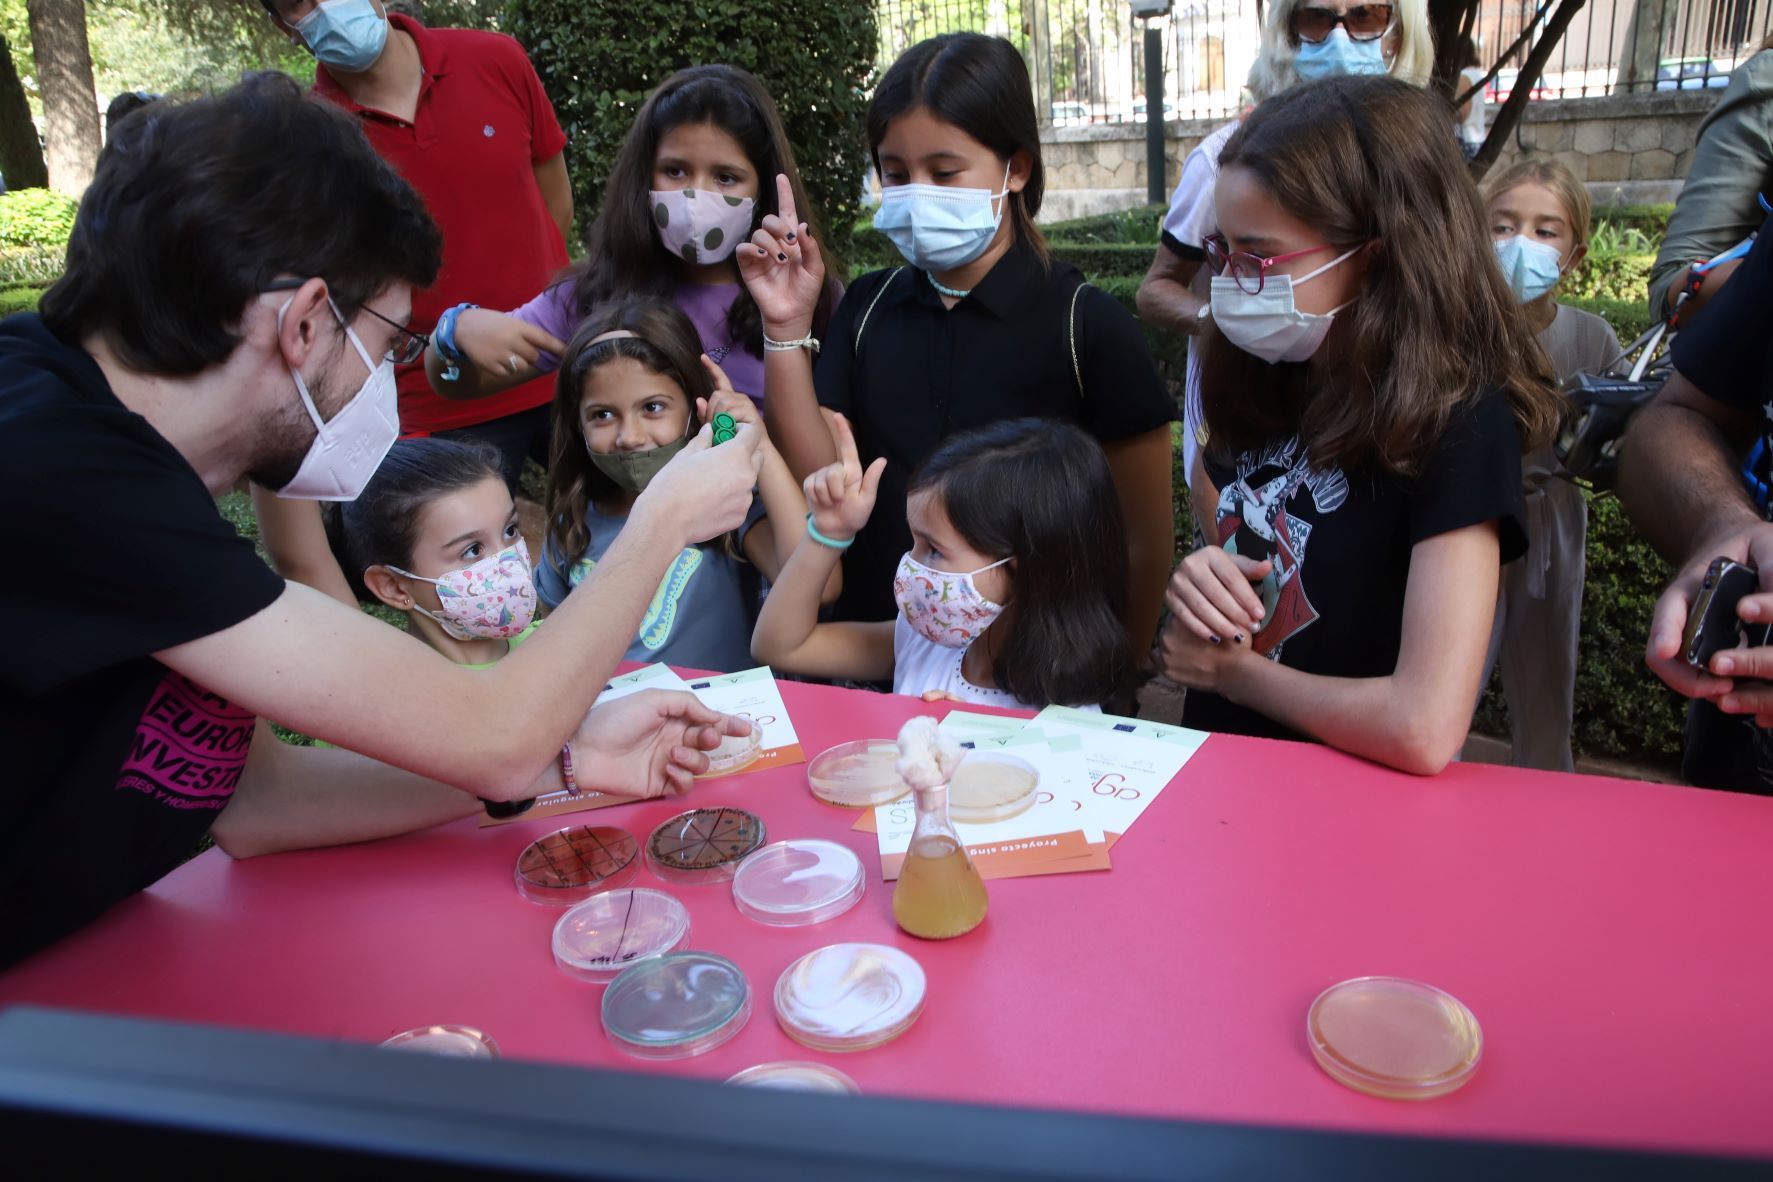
{"x":1369,"y":385}
{"x":1301,"y":40}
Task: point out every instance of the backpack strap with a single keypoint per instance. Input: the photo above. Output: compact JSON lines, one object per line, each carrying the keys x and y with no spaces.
{"x":1071,"y":323}
{"x":861,"y":327}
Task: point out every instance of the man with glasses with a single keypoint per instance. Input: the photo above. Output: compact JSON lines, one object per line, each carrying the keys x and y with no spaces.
{"x":238,"y":282}
{"x":462,"y":116}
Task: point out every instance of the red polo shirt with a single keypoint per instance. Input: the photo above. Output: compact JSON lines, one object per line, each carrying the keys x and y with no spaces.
{"x":483,"y":123}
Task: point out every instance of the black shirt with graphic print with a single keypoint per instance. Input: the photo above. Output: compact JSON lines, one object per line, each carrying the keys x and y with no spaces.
{"x":116,"y":766}
{"x":1340,"y":543}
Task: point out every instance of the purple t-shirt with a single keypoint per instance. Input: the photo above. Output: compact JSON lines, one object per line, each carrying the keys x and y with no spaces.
{"x":704,"y":304}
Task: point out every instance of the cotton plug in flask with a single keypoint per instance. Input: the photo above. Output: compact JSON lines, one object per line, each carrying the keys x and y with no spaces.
{"x":939,"y":894}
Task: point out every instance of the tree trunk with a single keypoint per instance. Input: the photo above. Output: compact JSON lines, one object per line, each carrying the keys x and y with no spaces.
{"x":21,"y":156}
{"x":1449,"y":19}
{"x":1643,"y":45}
{"x":70,"y":101}
{"x":1522,"y":90}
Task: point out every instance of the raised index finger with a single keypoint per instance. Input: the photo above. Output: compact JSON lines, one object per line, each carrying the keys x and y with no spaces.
{"x":846,"y":442}
{"x":785,"y":200}
{"x":721,"y":381}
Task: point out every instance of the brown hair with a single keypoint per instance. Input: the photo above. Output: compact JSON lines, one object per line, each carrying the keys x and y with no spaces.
{"x":980,"y":85}
{"x":1368,"y":160}
{"x":665,"y":342}
{"x":624,"y":257}
{"x":1555,"y":175}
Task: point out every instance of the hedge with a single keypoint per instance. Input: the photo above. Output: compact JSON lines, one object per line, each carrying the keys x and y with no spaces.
{"x":598,"y":62}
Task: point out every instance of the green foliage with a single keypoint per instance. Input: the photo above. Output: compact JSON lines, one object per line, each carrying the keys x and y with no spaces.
{"x":1104,"y":260}
{"x":18,"y":299}
{"x":31,"y":266}
{"x":36,"y":217}
{"x":1141,"y":224}
{"x":598,"y":62}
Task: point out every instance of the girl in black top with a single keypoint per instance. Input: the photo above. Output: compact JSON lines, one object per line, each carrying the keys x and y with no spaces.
{"x":982,"y":325}
{"x":1369,"y":387}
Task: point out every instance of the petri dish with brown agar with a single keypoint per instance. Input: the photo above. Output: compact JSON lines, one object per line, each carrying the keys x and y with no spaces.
{"x":1395,"y":1038}
{"x":676,"y":1005}
{"x":850,"y":997}
{"x":570,"y":865}
{"x":859,"y":774}
{"x":452,"y":1042}
{"x":703,"y":845}
{"x":608,"y":932}
{"x":736,"y":752}
{"x":794,"y":883}
{"x":991,"y":786}
{"x":797,"y":1077}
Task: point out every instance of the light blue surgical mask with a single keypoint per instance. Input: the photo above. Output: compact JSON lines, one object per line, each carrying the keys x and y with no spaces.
{"x":940,"y":227}
{"x":346,"y":35}
{"x":1339,"y":54}
{"x":1532,"y":268}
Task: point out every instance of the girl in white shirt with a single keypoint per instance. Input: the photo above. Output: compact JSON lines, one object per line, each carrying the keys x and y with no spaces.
{"x":1010,"y":593}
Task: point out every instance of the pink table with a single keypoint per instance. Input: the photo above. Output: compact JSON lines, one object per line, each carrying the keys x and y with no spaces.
{"x":1612,"y":937}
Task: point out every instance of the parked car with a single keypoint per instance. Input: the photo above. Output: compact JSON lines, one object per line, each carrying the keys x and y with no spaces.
{"x":1502,"y":85}
{"x":1691,"y":73}
{"x":1139,"y":111}
{"x":1070,"y":114}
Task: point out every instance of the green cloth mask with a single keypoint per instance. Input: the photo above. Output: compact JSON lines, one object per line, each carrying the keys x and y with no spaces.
{"x":634,"y":470}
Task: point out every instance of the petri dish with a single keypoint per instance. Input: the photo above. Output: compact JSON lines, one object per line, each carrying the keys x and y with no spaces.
{"x":608,"y":932}
{"x":793,"y":883}
{"x":849,"y":997}
{"x":735,"y":752}
{"x":991,"y":786}
{"x":1390,"y":1037}
{"x":858,"y":774}
{"x":570,"y":865}
{"x":676,"y":1005}
{"x":452,"y":1042}
{"x":703,"y":845}
{"x":797,"y":1077}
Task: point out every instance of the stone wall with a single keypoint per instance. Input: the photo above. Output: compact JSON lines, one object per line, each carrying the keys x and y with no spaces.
{"x":1637,"y":145}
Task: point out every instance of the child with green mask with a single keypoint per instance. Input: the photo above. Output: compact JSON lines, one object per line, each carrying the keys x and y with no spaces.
{"x":633,"y":388}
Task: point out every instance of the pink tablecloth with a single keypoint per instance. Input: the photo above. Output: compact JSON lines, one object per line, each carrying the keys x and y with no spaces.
{"x":1613,"y":939}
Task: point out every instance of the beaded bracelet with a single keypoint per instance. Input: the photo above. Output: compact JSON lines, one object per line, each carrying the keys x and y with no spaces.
{"x":566,"y":770}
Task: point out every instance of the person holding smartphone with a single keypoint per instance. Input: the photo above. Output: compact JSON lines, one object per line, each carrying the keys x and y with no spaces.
{"x":1681,"y":484}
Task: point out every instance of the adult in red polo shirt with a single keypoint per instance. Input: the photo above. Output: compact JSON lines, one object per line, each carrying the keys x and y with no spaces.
{"x":462,"y":116}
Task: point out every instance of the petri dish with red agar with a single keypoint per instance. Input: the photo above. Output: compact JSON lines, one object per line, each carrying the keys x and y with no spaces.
{"x":606,"y":933}
{"x":570,"y":865}
{"x":1395,"y":1038}
{"x":703,"y":845}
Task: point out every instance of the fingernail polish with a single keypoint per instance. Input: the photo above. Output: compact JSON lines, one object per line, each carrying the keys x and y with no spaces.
{"x":780,"y":257}
{"x":1238,"y":639}
{"x":763,"y":252}
{"x":791,"y":235}
{"x":1214,"y":639}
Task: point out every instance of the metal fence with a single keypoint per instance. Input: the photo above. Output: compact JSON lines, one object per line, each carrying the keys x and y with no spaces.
{"x":1086,"y":57}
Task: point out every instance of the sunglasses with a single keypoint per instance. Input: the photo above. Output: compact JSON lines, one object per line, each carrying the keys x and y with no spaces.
{"x":1248,"y":270}
{"x":1364,"y":22}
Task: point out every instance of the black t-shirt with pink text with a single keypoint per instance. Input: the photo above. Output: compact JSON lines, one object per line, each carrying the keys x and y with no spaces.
{"x":116,"y":766}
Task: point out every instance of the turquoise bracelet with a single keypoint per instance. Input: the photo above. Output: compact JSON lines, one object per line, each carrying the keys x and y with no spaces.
{"x":812,"y":531}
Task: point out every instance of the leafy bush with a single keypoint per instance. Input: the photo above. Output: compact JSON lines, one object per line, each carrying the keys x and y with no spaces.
{"x":598,"y":62}
{"x":36,"y":217}
{"x":31,"y":266}
{"x":19,"y":299}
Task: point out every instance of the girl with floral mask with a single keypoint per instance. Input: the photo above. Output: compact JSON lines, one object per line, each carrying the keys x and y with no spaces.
{"x":1009,"y":594}
{"x":634,"y":387}
{"x":1368,"y":389}
{"x":699,"y":171}
{"x":980,"y":325}
{"x":1539,"y":219}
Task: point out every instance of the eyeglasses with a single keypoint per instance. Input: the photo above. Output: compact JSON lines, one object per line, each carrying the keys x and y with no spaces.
{"x":408,"y":345}
{"x":1364,"y":22}
{"x":1247,"y":269}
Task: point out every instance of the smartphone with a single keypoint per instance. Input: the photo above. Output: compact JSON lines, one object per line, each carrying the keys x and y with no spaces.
{"x":1713,"y":624}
